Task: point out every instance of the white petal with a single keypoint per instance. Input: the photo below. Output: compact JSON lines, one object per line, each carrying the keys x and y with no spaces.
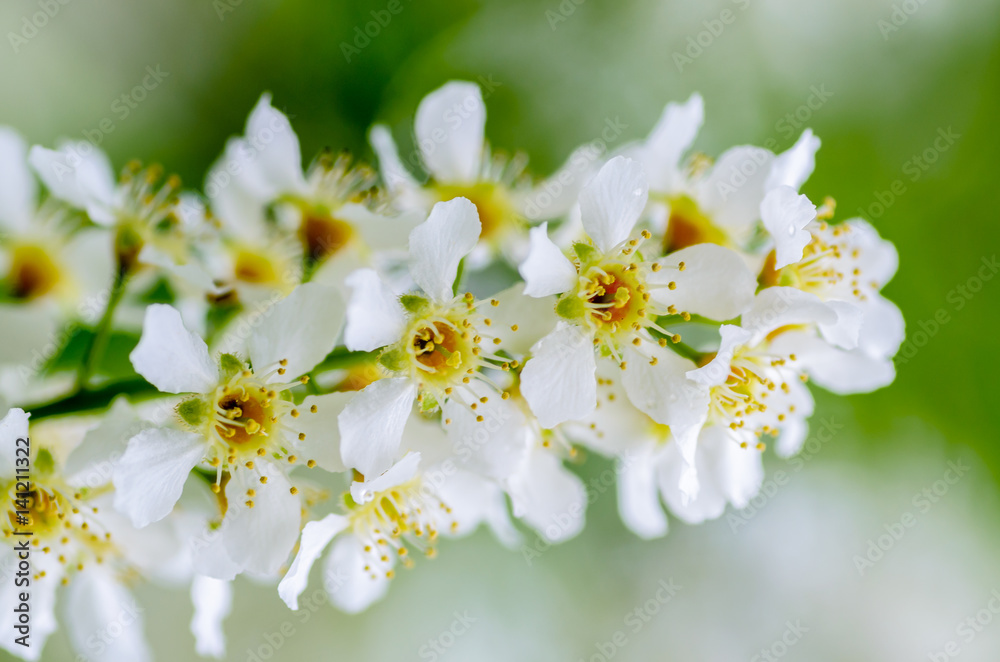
{"x":548,"y":497}
{"x":301,"y":328}
{"x":18,"y":188}
{"x":91,"y":463}
{"x":557,"y":194}
{"x":612,"y":202}
{"x":90,"y":260}
{"x":775,"y":307}
{"x":450,"y":128}
{"x":191,"y":272}
{"x":793,"y":167}
{"x":394,"y":173}
{"x":493,"y":446}
{"x":534,"y":317}
{"x":715,"y":282}
{"x":882,"y":327}
{"x":438,"y":244}
{"x":669,"y":140}
{"x":374,"y":317}
{"x":170,"y":357}
{"x":278,"y":157}
{"x":845,"y":331}
{"x":14,"y":426}
{"x":42,"y":605}
{"x":351,"y":588}
{"x":558,"y":380}
{"x":237,"y":197}
{"x":322,"y":442}
{"x":315,"y":537}
{"x":474,"y":501}
{"x":212,"y":600}
{"x":259,"y":539}
{"x":662,"y":391}
{"x":786,"y":214}
{"x":639,"y":496}
{"x":94,"y":603}
{"x":399,"y":473}
{"x":840,"y":371}
{"x":150,"y":476}
{"x":77,"y":173}
{"x":878,"y":259}
{"x":546,"y":271}
{"x":371,"y":425}
{"x":716,"y":371}
{"x":732,"y":192}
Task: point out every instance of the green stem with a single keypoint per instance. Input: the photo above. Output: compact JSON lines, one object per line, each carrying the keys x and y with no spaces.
{"x":458,"y":277}
{"x":102,"y":334}
{"x":89,"y":400}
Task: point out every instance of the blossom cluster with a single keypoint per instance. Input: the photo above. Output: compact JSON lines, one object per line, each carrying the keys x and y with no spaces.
{"x":345,"y":365}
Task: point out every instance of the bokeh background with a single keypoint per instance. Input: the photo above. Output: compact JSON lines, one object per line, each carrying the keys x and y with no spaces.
{"x":879,"y":82}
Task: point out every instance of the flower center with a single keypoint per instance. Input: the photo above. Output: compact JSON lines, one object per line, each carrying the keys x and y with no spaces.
{"x":405,"y":517}
{"x":688,"y":226}
{"x":323,"y":236}
{"x":33,"y":273}
{"x":253,"y":267}
{"x":829,"y":267}
{"x":247,"y":415}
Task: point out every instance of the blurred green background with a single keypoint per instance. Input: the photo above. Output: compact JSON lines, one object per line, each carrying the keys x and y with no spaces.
{"x":884,"y":79}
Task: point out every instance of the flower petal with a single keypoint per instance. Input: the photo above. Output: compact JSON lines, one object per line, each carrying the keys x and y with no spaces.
{"x":371,"y":425}
{"x":315,"y":537}
{"x":150,"y":476}
{"x":77,"y":173}
{"x":558,"y":380}
{"x":95,"y":601}
{"x":170,"y":357}
{"x":639,"y":496}
{"x":786,"y":214}
{"x":301,"y":328}
{"x":399,"y":473}
{"x":533,"y":317}
{"x":259,"y":538}
{"x":882,"y":327}
{"x":438,"y":244}
{"x":611,"y":203}
{"x":775,"y":307}
{"x":278,"y":157}
{"x":492,"y":446}
{"x":374,"y":317}
{"x":322,"y":442}
{"x":14,"y":426}
{"x":732,"y":192}
{"x":715,"y":282}
{"x":450,"y":127}
{"x":212,"y":600}
{"x":717,"y":371}
{"x":395,"y":175}
{"x":548,"y":497}
{"x":91,"y":463}
{"x":841,"y":371}
{"x":669,"y":140}
{"x":18,"y":188}
{"x":351,"y":588}
{"x":793,"y":167}
{"x":546,"y":271}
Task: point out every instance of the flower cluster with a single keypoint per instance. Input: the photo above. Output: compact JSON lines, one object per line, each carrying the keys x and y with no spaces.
{"x":352,"y":364}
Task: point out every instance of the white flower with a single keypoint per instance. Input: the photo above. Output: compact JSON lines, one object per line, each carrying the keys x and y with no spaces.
{"x":433,"y":344}
{"x":695,"y":202}
{"x":844,"y":265}
{"x":322,"y":214}
{"x":48,"y":275}
{"x":387,"y":518}
{"x":151,"y":222}
{"x":611,"y":296}
{"x":238,"y":421}
{"x":449,"y":129}
{"x":73,"y":542}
